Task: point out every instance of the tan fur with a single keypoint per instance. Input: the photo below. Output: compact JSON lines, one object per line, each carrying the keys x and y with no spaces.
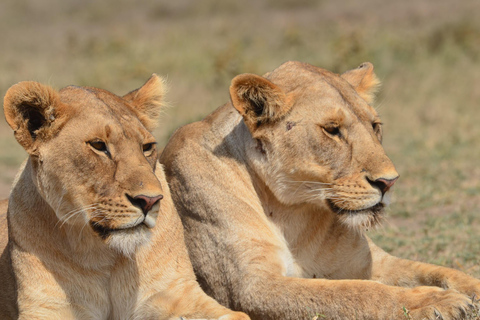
{"x":258,"y":100}
{"x":275,"y":203}
{"x":146,"y":100}
{"x":78,"y":247}
{"x":364,"y":81}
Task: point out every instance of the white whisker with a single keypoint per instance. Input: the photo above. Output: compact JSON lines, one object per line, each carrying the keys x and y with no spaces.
{"x":61,"y":199}
{"x":73,"y":213}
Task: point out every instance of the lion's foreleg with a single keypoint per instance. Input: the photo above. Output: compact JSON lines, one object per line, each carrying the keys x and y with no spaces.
{"x":391,"y":270}
{"x":187,"y":301}
{"x":294,"y":298}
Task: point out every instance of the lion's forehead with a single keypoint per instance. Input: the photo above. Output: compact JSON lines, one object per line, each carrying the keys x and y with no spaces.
{"x":318,"y":89}
{"x":322,"y":103}
{"x":87,"y":99}
{"x":293,"y":75}
{"x":103,"y":113}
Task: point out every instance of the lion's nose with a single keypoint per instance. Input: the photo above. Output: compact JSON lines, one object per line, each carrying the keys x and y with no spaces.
{"x":383,"y":184}
{"x":144,"y":202}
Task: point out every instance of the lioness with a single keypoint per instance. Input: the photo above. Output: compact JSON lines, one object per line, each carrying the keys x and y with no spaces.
{"x":92,"y":231}
{"x":275,"y":190}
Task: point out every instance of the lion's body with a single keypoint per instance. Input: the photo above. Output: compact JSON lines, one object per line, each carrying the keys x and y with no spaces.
{"x":92,"y":230}
{"x":274,"y":199}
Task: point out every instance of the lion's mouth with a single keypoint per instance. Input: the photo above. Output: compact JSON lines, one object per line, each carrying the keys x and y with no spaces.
{"x":374,"y":210}
{"x":147,"y":221}
{"x":104,"y":232}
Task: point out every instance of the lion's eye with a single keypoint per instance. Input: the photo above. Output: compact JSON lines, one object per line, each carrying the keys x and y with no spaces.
{"x":377,"y":128}
{"x":148,"y":147}
{"x":332,"y":130}
{"x":99,"y":146}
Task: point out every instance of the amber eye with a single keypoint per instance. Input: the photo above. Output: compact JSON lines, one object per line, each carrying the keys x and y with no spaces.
{"x":98,"y":145}
{"x":377,"y":128}
{"x":148,"y":147}
{"x":332,"y":130}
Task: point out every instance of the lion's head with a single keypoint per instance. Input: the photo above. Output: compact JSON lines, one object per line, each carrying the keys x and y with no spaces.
{"x":92,"y":156}
{"x":317,"y":138}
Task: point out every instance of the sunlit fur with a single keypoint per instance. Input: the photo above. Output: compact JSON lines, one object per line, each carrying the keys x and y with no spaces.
{"x":128,"y":241}
{"x":92,"y":230}
{"x":275,"y":190}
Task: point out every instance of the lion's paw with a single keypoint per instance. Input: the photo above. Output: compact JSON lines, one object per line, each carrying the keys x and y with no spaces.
{"x":432,"y":303}
{"x":470,"y":287}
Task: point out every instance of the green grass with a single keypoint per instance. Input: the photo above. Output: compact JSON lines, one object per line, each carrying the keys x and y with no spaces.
{"x":427,"y":54}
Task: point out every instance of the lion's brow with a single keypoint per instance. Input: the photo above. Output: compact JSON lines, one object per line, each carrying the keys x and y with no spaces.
{"x":360,"y":113}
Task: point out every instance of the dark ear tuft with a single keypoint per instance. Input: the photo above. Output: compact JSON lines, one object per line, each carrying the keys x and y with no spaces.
{"x":148,"y":101}
{"x":364,"y":81}
{"x":29,"y":109}
{"x":35,"y":118}
{"x":258,"y":100}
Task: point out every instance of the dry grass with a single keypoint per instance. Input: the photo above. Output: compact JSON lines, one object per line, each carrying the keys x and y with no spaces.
{"x":426,"y":52}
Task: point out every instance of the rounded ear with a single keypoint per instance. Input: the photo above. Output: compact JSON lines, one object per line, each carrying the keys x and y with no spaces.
{"x":363,"y":80}
{"x":258,"y":100}
{"x":30,"y":108}
{"x":148,"y":101}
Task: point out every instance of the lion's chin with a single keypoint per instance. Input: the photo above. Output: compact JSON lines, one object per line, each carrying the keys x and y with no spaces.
{"x":360,"y":220}
{"x":128,"y":241}
{"x":125,"y":241}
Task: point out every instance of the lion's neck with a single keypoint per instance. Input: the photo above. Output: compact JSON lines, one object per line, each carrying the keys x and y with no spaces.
{"x":31,"y":217}
{"x":298,"y":222}
{"x":311,"y":232}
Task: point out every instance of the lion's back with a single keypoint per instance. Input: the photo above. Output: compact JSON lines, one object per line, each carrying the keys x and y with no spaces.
{"x":201,"y":136}
{"x":3,"y":224}
{"x":7,"y":292}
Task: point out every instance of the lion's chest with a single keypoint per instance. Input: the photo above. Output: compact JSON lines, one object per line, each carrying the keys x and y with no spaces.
{"x":89,"y":295}
{"x":311,"y":250}
{"x":106,"y":299}
{"x":107,"y":294}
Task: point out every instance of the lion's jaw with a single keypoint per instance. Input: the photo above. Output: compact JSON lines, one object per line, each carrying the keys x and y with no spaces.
{"x":324,"y":150}
{"x":289,"y":190}
{"x":91,"y":225}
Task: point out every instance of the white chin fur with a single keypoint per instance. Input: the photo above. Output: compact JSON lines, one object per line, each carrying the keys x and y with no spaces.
{"x":128,"y":241}
{"x":361,"y":221}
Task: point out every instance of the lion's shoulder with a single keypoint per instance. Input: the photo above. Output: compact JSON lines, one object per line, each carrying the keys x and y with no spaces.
{"x":201,"y":136}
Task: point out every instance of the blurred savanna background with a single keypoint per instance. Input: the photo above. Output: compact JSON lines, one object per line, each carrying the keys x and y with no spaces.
{"x":426,"y":52}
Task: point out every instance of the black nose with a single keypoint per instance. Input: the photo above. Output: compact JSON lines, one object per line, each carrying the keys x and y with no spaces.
{"x":383,"y":184}
{"x":144,"y":202}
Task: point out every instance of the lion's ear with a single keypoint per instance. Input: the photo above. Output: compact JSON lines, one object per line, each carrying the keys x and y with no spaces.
{"x":363,"y":80}
{"x":30,"y":109}
{"x":148,"y":101}
{"x":258,"y":100}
